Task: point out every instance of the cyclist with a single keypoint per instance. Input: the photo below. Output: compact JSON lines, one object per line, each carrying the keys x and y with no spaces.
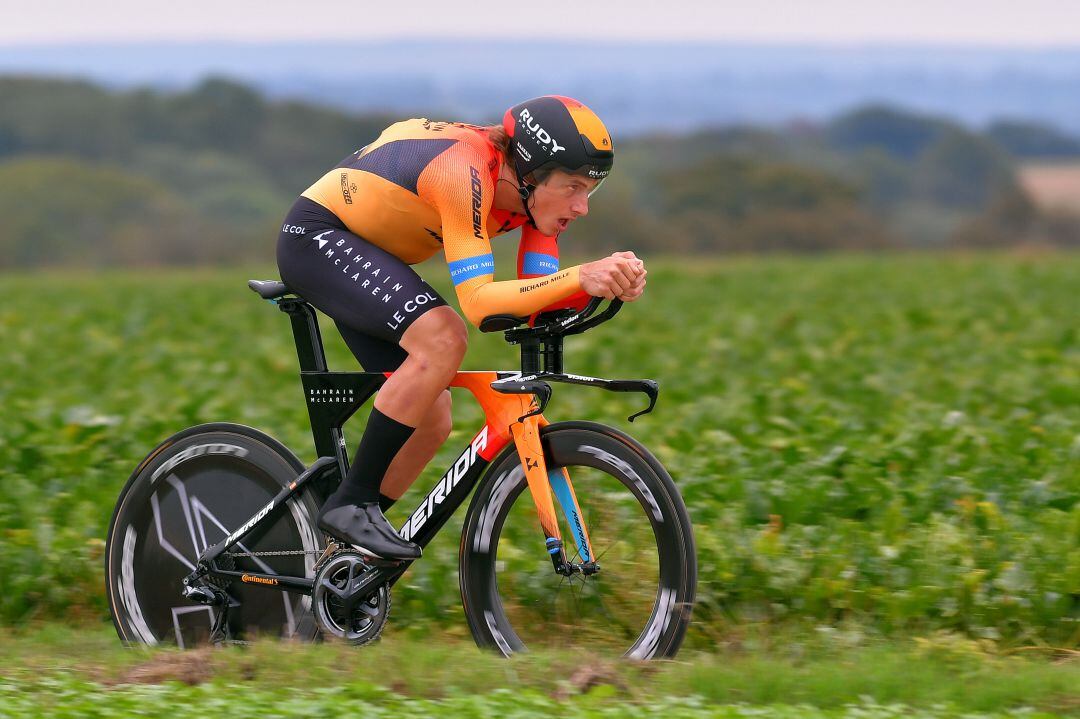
{"x":348,"y":242}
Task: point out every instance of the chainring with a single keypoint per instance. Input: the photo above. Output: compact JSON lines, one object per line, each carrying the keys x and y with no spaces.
{"x":339,"y":611}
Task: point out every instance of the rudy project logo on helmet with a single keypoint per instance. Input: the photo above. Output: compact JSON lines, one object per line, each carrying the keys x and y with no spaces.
{"x":539,"y":132}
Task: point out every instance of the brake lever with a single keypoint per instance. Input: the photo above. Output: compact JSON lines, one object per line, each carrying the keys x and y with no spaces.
{"x":541,"y":390}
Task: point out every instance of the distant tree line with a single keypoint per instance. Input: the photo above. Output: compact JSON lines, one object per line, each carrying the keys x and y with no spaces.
{"x":91,"y":177}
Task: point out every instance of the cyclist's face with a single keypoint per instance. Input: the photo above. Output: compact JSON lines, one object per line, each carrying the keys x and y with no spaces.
{"x":559,"y":200}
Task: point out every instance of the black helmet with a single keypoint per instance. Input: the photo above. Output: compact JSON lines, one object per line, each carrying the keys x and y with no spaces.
{"x":556,"y":132}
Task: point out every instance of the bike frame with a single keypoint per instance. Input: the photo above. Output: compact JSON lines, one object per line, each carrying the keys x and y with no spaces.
{"x":512,"y":403}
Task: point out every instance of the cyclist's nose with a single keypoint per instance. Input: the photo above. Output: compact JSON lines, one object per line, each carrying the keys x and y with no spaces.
{"x":580,"y":206}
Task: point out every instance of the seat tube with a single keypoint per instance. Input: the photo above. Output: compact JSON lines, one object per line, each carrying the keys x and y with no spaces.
{"x":306,"y":334}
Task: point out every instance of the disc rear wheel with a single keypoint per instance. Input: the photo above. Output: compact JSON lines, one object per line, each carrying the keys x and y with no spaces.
{"x":195,"y":489}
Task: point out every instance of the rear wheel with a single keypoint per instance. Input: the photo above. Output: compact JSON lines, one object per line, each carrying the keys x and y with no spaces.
{"x":192,"y":491}
{"x":637,"y":604}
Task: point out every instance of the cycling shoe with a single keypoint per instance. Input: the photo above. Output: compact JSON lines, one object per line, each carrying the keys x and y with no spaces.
{"x":365,"y":527}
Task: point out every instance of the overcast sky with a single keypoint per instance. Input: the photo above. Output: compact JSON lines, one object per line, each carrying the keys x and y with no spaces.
{"x":969,"y":22}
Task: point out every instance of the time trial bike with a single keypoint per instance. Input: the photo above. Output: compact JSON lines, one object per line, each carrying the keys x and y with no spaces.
{"x":213,"y":536}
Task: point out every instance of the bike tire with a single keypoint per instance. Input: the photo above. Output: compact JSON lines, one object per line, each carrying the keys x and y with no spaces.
{"x":597,"y":456}
{"x":190,"y":492}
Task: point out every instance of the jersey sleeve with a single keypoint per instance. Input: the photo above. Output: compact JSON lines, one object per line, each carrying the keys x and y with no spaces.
{"x":458,"y":185}
{"x":538,"y":255}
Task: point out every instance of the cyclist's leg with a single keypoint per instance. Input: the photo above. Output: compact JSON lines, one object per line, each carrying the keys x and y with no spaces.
{"x":374,"y":293}
{"x":377,"y":355}
{"x":436,"y":344}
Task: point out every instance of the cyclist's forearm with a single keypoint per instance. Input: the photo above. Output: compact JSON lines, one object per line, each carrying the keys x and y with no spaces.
{"x":516,"y":297}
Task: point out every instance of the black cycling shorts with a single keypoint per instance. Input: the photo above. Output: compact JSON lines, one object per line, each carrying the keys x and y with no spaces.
{"x":370,"y":294}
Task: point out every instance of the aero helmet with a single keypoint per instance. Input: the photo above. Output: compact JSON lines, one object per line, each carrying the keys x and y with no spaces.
{"x":556,"y":132}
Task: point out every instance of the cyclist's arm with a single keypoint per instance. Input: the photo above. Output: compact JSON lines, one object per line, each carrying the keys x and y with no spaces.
{"x":538,"y":255}
{"x":458,"y":185}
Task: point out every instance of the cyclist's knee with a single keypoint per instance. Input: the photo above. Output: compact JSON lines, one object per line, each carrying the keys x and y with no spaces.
{"x":439,"y":338}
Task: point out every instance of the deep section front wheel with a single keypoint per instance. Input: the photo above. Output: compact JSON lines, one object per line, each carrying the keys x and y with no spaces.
{"x":192,"y":491}
{"x":639,"y":601}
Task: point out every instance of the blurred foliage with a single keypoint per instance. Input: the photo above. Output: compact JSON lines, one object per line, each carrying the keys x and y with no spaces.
{"x":587,"y":694}
{"x":1033,"y":141}
{"x":902,"y":134}
{"x":795,"y":672}
{"x":90,"y":177}
{"x":737,"y":205}
{"x":963,"y":170}
{"x":67,"y":697}
{"x":1012,"y":215}
{"x":892,"y":441}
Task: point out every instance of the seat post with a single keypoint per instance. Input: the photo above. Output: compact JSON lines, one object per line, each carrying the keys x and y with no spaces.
{"x":305,"y":326}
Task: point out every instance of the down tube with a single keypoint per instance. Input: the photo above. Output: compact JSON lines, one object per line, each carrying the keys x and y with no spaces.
{"x":452,"y":489}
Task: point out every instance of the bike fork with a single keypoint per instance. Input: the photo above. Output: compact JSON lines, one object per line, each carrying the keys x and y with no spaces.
{"x":542,"y":484}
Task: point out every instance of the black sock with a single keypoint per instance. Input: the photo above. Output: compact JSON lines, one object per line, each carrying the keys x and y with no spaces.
{"x":383,"y":439}
{"x":385,"y":502}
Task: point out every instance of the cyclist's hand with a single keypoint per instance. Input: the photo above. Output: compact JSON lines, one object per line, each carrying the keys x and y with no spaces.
{"x":639,"y":285}
{"x":612,"y":276}
{"x":634,"y":292}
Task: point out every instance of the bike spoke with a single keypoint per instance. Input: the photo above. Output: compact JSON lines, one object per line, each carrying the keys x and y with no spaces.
{"x":609,"y":548}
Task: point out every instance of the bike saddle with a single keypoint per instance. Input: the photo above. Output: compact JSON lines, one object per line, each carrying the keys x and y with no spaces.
{"x":269,"y":289}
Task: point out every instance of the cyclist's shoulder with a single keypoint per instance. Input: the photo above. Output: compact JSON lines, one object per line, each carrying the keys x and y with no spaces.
{"x":472,"y":137}
{"x":454,"y":144}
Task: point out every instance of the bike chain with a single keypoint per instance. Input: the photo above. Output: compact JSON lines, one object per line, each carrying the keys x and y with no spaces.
{"x":273,"y":553}
{"x":331,"y":549}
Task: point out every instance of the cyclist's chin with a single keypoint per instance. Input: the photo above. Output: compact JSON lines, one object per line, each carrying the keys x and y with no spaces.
{"x":553,"y":225}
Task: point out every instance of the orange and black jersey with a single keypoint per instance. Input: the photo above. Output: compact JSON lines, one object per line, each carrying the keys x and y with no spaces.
{"x":423,"y":186}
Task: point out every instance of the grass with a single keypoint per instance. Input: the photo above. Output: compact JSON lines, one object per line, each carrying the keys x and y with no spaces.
{"x":803,"y":674}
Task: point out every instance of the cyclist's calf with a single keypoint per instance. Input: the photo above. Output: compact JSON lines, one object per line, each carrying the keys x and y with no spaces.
{"x":419,"y":450}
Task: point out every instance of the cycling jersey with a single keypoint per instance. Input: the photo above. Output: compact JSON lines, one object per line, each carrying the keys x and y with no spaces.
{"x":423,"y":186}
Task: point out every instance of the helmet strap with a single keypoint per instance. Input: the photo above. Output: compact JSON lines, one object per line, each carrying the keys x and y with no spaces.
{"x":526,"y":192}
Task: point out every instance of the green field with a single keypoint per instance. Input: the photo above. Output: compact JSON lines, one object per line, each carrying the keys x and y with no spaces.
{"x":890,"y":445}
{"x":60,"y":672}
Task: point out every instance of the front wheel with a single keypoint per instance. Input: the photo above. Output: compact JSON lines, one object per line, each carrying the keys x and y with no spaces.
{"x":637,"y":604}
{"x":192,"y":491}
